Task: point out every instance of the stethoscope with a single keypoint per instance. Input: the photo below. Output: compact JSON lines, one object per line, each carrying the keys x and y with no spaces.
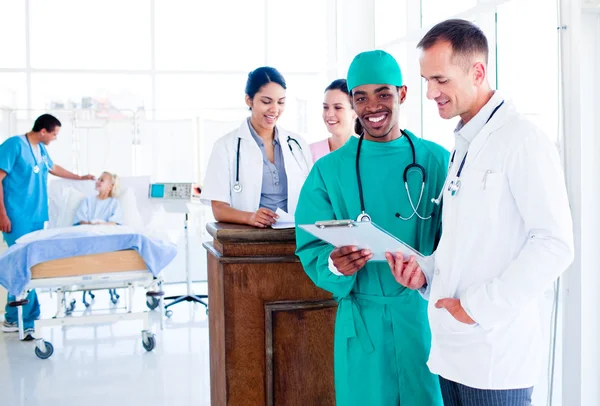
{"x":36,"y":168}
{"x":454,"y":185}
{"x":237,"y":186}
{"x":363,"y":216}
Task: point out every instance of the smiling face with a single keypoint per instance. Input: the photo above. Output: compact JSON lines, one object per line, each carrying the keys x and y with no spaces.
{"x":378,"y":109}
{"x":104,"y":183}
{"x":267,"y":105}
{"x":451,"y":82}
{"x":338,"y":114}
{"x":46,"y":137}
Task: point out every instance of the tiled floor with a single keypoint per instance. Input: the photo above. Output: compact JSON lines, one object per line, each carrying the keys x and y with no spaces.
{"x":107,"y":365}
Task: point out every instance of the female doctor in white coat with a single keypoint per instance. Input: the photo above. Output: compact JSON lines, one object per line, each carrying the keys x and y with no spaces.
{"x":259,"y":167}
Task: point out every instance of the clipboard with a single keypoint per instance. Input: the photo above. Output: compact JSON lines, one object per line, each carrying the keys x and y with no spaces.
{"x":362,"y":234}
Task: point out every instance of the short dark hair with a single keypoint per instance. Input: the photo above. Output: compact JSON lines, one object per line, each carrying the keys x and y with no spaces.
{"x":338,"y":84}
{"x":466,"y":38}
{"x":260,"y":77}
{"x":46,"y":122}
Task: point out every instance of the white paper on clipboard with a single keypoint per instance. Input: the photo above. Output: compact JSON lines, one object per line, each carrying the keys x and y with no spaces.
{"x":364,"y":235}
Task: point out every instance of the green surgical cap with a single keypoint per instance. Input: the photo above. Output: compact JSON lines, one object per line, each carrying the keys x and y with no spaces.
{"x":374,"y":68}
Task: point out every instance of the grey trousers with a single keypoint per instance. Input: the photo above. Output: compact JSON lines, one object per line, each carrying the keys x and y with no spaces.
{"x":455,"y":394}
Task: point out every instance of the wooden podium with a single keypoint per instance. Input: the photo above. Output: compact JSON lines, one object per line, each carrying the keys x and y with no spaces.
{"x":270,"y":327}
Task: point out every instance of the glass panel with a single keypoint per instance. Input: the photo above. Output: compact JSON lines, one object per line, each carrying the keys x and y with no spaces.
{"x":536,"y":96}
{"x":12,"y":34}
{"x":528,"y":74}
{"x":226,"y":35}
{"x":390,"y":20}
{"x":107,"y":34}
{"x":297,"y":35}
{"x":304,"y":104}
{"x":185,"y":96}
{"x":105,"y":94}
{"x":169,"y":150}
{"x":13,"y":90}
{"x":434,"y":11}
{"x":105,"y":144}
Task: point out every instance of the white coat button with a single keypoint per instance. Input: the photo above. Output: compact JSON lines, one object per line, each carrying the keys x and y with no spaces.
{"x":437,"y":271}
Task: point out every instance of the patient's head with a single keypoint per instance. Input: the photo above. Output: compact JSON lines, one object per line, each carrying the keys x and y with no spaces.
{"x":107,"y":184}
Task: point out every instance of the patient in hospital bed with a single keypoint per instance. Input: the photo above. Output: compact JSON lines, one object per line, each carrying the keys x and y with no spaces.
{"x":102,"y":208}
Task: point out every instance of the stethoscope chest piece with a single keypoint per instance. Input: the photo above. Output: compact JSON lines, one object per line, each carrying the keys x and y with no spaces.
{"x":454,"y":187}
{"x":36,"y":169}
{"x":237,"y":187}
{"x":363,"y":217}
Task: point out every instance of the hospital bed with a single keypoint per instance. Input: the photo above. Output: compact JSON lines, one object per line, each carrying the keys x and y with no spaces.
{"x":64,"y":260}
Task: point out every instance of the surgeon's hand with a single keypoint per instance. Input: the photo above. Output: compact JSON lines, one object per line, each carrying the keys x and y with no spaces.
{"x":262,"y":218}
{"x":5,"y":225}
{"x":454,"y":307}
{"x":349,"y":260}
{"x":409,"y":273}
{"x":87,"y":177}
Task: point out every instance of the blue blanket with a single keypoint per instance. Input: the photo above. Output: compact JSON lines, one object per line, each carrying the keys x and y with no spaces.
{"x":17,"y":261}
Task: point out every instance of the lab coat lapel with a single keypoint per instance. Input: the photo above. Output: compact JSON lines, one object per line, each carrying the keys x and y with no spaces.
{"x":294,"y":174}
{"x":251,"y":167}
{"x":497,"y":122}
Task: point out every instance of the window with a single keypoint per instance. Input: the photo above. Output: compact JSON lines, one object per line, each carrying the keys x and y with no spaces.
{"x":107,"y":94}
{"x":74,"y":34}
{"x":304,"y":103}
{"x":528,"y":70}
{"x":297,"y":35}
{"x":390,"y":20}
{"x":12,"y":34}
{"x":13,"y":91}
{"x":187,"y":95}
{"x":227,"y":35}
{"x":435,"y":11}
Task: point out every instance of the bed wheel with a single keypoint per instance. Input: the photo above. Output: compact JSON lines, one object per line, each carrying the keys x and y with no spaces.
{"x":47,"y":350}
{"x":169,"y":313}
{"x":152,"y":302}
{"x":148,"y":340}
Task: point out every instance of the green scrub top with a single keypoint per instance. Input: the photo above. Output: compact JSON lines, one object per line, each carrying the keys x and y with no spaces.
{"x":382,"y":335}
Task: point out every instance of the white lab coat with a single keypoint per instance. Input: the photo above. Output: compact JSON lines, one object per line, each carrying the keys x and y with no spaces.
{"x":221,"y":170}
{"x":506,"y":237}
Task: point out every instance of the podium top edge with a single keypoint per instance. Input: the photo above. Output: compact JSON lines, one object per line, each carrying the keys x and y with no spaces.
{"x":226,"y":232}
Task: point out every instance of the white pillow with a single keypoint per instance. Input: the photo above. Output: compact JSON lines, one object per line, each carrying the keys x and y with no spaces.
{"x":68,"y":211}
{"x":131,"y":214}
{"x":58,"y":194}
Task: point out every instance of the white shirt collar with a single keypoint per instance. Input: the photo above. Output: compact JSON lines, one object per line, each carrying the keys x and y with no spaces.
{"x":469,"y":131}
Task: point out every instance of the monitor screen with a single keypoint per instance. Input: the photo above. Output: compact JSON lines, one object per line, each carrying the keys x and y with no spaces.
{"x":157,"y":190}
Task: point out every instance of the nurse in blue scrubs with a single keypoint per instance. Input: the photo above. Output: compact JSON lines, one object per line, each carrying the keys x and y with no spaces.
{"x":24,"y":167}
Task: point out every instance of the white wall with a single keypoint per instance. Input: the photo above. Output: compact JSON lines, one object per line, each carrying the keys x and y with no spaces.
{"x":355,"y":32}
{"x":581,"y":330}
{"x":590,"y":277}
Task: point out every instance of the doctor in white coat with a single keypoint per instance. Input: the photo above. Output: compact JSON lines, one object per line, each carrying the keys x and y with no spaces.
{"x":507,"y":231}
{"x":259,"y":167}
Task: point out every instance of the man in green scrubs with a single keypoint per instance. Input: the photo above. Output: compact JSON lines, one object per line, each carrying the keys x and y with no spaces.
{"x":382,"y":336}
